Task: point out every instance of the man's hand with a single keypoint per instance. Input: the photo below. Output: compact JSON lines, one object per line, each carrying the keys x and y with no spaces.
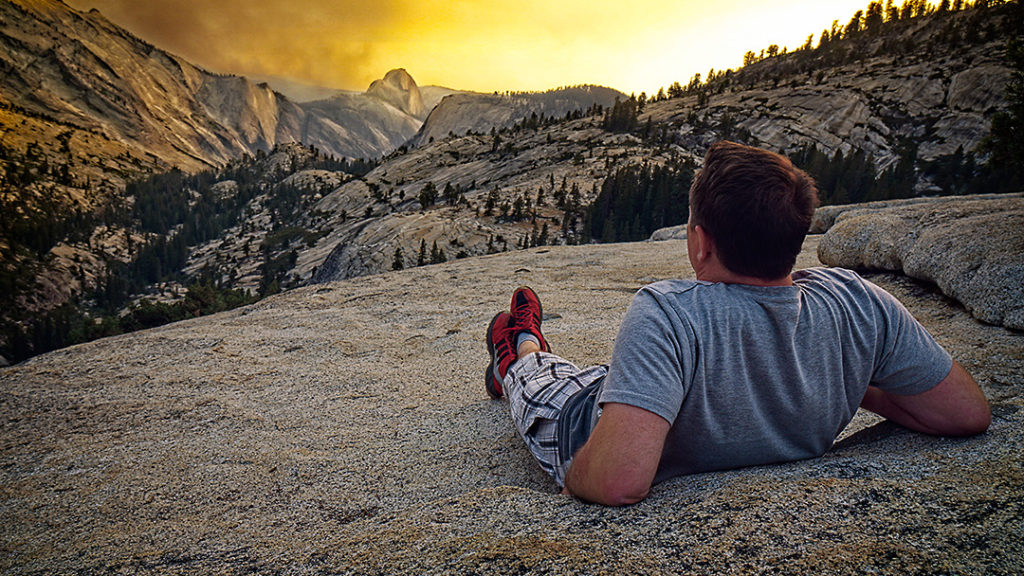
{"x":618,"y":463}
{"x":956,"y":406}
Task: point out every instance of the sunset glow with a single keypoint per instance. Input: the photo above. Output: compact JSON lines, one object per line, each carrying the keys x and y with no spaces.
{"x":474,"y":45}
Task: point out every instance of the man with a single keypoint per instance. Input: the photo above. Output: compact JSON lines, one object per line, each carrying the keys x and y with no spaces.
{"x":748,"y":364}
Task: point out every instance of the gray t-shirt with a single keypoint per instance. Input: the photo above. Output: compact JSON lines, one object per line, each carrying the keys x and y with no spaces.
{"x":752,"y":375}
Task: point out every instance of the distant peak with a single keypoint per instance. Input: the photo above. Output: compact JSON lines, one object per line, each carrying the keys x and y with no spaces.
{"x":400,"y":79}
{"x":400,"y":90}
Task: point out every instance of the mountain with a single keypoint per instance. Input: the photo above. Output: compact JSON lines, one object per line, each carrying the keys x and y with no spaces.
{"x":432,"y":95}
{"x":399,"y":89}
{"x":364,"y":125}
{"x":83,"y":71}
{"x":294,"y":90}
{"x":916,"y":90}
{"x":466,"y":112}
{"x":80,"y":70}
{"x":887,"y":111}
{"x":302,"y":92}
{"x":86,"y":107}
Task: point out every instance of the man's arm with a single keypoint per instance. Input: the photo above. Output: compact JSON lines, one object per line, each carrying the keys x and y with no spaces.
{"x":618,"y":463}
{"x":956,"y":406}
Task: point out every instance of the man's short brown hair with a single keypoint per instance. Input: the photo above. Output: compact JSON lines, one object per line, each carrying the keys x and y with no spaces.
{"x":756,"y":206}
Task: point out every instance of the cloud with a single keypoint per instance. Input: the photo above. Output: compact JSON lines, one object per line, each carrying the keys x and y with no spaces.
{"x":347,"y":44}
{"x":313,"y":40}
{"x":472,"y":44}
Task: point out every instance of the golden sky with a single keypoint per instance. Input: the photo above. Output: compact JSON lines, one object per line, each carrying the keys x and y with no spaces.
{"x":631,"y":45}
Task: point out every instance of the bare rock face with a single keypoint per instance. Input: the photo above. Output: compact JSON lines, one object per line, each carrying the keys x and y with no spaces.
{"x":669,"y":233}
{"x":90,"y":74}
{"x":399,"y":89}
{"x":344,"y":428}
{"x":973,"y":249}
{"x":939,"y":98}
{"x":372,"y":217}
{"x":467,"y":112}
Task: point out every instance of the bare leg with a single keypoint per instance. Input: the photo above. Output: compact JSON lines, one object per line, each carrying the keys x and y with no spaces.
{"x":527,"y":347}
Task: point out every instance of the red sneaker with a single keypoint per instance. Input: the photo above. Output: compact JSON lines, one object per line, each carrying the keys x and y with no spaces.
{"x":527,"y":315}
{"x":502,"y":351}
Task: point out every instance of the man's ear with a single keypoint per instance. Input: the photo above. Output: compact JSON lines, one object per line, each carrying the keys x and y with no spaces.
{"x":704,"y":243}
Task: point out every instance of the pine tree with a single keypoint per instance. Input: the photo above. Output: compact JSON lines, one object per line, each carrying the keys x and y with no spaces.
{"x":398,"y":262}
{"x":451,"y":195}
{"x":491,"y":202}
{"x":428,"y":195}
{"x":437,"y":255}
{"x":874,"y":17}
{"x":421,"y":258}
{"x":1004,"y":170}
{"x":855,"y":24}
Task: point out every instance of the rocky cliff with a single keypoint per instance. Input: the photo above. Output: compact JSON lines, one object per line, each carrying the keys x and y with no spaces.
{"x":466,"y":112}
{"x":399,"y":89}
{"x":82,"y":70}
{"x":515,"y":166}
{"x":343,"y":428}
{"x":922,"y":89}
{"x":86,"y":107}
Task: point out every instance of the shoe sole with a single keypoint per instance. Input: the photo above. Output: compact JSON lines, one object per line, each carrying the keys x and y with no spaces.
{"x":494,"y":389}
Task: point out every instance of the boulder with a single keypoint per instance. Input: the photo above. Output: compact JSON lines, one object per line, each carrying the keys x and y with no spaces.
{"x":669,"y":233}
{"x":971,"y":248}
{"x":344,"y":428}
{"x":825,"y":216}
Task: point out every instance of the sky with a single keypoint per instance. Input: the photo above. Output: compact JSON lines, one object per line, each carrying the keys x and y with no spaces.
{"x":631,"y":45}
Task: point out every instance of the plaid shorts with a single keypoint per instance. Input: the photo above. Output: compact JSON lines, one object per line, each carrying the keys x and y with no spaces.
{"x":537,"y":387}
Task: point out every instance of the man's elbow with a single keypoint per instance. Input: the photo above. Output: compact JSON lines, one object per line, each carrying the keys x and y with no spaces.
{"x":628,"y":498}
{"x":967,"y":421}
{"x":976,"y":421}
{"x":621,"y":491}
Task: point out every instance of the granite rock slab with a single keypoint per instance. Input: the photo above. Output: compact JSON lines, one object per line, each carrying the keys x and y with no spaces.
{"x":971,"y":248}
{"x":344,"y":429}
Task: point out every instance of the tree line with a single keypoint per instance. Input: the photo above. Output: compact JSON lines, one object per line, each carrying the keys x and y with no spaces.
{"x":834,"y":44}
{"x":172,"y":212}
{"x":635,"y":201}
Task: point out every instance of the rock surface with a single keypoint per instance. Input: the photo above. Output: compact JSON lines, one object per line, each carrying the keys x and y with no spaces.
{"x":825,"y":216}
{"x":400,"y":90}
{"x":569,"y":155}
{"x":343,"y":428}
{"x":467,"y":112}
{"x":669,"y":233}
{"x":91,"y":76}
{"x":938,"y":95}
{"x":972,"y":248}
